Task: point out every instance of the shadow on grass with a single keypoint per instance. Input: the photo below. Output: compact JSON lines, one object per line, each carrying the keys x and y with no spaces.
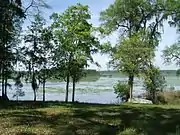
{"x":145,"y":120}
{"x":90,"y":119}
{"x":39,"y":104}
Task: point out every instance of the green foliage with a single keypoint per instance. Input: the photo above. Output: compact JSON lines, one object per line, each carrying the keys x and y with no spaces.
{"x":124,"y":16}
{"x":64,"y":49}
{"x":154,"y":82}
{"x":35,"y":50}
{"x":132,"y":54}
{"x":139,"y":24}
{"x":129,"y":16}
{"x":122,"y":90}
{"x":10,"y":28}
{"x":75,"y":42}
{"x":106,"y":48}
{"x":171,"y":54}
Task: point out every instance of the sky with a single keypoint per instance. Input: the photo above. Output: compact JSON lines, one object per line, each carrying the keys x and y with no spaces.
{"x":96,"y":6}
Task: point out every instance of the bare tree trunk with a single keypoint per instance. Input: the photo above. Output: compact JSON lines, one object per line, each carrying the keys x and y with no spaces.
{"x":34,"y":85}
{"x":67,"y":88}
{"x":44,"y":90}
{"x":6,"y":86}
{"x":34,"y":95}
{"x":3,"y":81}
{"x":1,"y":78}
{"x":73,"y":92}
{"x":130,"y":82}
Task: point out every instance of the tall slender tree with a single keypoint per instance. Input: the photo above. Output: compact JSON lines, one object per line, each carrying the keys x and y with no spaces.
{"x":46,"y":57}
{"x":75,"y":41}
{"x":33,"y":51}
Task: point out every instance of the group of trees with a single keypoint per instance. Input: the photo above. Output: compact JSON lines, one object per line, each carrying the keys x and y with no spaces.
{"x":139,"y":24}
{"x":61,"y":49}
{"x":64,"y":48}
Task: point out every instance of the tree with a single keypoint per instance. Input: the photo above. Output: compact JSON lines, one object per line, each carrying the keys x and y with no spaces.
{"x":42,"y":76}
{"x":10,"y":27}
{"x":154,"y":82}
{"x":77,"y":72}
{"x":131,"y":55}
{"x":13,"y":12}
{"x":129,"y":17}
{"x":74,"y":42}
{"x":33,"y":51}
{"x":122,"y":90}
{"x":46,"y":57}
{"x":172,"y":54}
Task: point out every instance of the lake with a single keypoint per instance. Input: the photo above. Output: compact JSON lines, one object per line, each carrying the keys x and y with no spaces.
{"x":100,"y":91}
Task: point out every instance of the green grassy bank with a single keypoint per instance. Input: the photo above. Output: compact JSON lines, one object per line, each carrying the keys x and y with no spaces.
{"x":54,"y":118}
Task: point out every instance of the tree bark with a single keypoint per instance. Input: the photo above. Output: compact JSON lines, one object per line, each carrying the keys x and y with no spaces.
{"x":44,"y":91}
{"x":67,"y":88}
{"x":73,"y":92}
{"x":34,"y":85}
{"x":6,"y":86}
{"x":34,"y":95}
{"x":3,"y":81}
{"x":130,"y":82}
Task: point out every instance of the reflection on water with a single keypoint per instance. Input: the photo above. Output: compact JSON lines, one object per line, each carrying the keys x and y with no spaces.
{"x":100,"y":91}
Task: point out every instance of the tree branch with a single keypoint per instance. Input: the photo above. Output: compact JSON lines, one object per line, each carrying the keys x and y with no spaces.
{"x":31,"y":4}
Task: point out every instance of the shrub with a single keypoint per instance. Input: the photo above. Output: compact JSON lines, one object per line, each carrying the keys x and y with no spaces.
{"x":122,"y":90}
{"x":172,"y":97}
{"x":169,"y":97}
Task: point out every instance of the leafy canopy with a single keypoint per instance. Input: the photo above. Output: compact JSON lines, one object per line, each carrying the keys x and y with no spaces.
{"x":132,"y":54}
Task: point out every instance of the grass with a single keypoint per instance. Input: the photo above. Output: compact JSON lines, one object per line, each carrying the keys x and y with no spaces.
{"x":55,"y":118}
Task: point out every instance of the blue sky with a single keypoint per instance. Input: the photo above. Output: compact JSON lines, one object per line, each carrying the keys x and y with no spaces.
{"x":96,"y":6}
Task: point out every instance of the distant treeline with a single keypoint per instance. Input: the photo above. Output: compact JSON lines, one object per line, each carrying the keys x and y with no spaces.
{"x":89,"y":73}
{"x":169,"y":72}
{"x":117,"y":73}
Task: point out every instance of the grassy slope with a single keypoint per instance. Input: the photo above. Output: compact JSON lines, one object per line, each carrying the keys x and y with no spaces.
{"x":87,"y":119}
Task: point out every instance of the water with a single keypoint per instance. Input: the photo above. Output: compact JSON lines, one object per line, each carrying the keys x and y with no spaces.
{"x":100,"y":91}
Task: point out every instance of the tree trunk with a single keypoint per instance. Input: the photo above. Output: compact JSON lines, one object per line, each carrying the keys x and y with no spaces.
{"x":34,"y":85}
{"x":34,"y":95}
{"x":6,"y":86}
{"x":127,"y":97}
{"x":130,"y":82}
{"x":73,"y":92}
{"x":3,"y":81}
{"x":44,"y":83}
{"x":153,"y":94}
{"x":67,"y":89}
